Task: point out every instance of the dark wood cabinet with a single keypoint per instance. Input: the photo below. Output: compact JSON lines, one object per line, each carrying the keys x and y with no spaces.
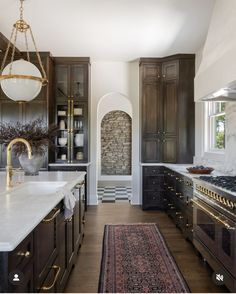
{"x":45,"y":252}
{"x":153,"y":187}
{"x":71,"y":109}
{"x":178,"y":195}
{"x":167,"y":105}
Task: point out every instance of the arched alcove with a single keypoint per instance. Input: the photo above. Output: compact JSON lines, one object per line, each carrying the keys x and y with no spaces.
{"x":116,"y":139}
{"x":108,"y":103}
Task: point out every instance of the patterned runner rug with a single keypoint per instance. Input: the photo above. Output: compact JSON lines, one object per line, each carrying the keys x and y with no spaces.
{"x":135,"y":259}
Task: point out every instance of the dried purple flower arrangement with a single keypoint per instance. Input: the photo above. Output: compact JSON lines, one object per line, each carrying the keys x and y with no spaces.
{"x":36,"y":132}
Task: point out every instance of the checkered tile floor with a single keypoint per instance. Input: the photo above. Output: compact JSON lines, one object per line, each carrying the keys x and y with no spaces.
{"x":114,"y":194}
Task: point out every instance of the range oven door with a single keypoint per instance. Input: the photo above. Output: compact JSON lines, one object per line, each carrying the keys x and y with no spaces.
{"x":205,"y":225}
{"x":216,"y":232}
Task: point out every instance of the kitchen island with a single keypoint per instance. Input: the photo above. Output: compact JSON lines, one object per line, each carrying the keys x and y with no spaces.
{"x":36,"y":241}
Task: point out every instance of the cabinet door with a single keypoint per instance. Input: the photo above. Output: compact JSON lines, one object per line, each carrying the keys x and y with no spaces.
{"x":170,"y":100}
{"x":151,"y":109}
{"x":45,"y":245}
{"x":151,"y":72}
{"x":170,"y":70}
{"x":62,"y":84}
{"x":10,"y":111}
{"x":170,"y":149}
{"x":151,"y":150}
{"x":27,"y":286}
{"x":76,"y":226}
{"x":79,"y":138}
{"x":79,"y":81}
{"x":34,"y":110}
{"x":70,"y":241}
{"x":62,"y":257}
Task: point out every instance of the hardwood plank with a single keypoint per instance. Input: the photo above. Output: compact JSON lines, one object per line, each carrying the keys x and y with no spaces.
{"x":85,"y":275}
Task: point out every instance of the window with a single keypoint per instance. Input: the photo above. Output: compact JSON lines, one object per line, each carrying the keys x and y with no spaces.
{"x":216,"y":126}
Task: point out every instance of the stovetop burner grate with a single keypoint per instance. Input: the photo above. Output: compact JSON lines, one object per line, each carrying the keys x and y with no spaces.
{"x":226,"y":182}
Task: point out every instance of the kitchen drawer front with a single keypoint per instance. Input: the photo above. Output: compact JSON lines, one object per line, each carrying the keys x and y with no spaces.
{"x":153,"y":200}
{"x":153,"y":170}
{"x":27,"y":285}
{"x":155,"y":183}
{"x":22,"y":254}
{"x":51,"y":283}
{"x":46,"y":244}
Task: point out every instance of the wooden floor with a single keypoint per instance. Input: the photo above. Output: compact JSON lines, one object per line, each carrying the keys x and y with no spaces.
{"x":85,"y":275}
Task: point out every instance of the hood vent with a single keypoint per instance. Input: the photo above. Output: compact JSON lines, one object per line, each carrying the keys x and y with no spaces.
{"x":216,"y":76}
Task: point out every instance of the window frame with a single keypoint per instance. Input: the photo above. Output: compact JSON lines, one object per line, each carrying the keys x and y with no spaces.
{"x":210,"y":114}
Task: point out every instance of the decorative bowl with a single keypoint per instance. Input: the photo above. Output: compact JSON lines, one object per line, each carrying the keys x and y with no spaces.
{"x":62,"y":141}
{"x":200,"y":170}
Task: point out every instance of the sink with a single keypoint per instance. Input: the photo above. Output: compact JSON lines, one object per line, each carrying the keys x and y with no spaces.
{"x":38,"y":188}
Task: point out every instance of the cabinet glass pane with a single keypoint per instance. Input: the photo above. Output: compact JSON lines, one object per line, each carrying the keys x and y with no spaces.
{"x":78,"y":83}
{"x":62,"y":82}
{"x":63,"y":123}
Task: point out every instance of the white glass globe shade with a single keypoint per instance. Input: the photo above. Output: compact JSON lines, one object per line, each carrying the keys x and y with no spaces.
{"x":21,"y":89}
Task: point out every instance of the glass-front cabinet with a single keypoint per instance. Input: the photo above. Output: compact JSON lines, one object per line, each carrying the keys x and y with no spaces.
{"x":71,"y":93}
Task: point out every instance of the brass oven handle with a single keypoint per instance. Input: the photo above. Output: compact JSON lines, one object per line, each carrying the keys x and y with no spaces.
{"x":47,"y":220}
{"x":46,"y":288}
{"x":213,"y":215}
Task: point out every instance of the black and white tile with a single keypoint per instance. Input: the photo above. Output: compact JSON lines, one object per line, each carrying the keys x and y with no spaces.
{"x":113,"y":194}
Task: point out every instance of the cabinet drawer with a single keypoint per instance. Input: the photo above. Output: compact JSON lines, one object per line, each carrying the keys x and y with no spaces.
{"x":50,"y":284}
{"x":22,"y":254}
{"x":153,"y":200}
{"x":27,"y":285}
{"x":153,"y":183}
{"x":153,"y":170}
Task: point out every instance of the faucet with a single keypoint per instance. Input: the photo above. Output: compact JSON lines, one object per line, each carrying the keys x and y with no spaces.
{"x":9,"y":169}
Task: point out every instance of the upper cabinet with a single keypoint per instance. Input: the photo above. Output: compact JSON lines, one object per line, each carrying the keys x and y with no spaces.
{"x":71,"y":78}
{"x":71,"y":109}
{"x":167,"y":105}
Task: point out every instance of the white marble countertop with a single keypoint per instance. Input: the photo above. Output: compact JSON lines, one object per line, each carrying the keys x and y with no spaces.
{"x":21,"y":210}
{"x":181,"y":168}
{"x":70,"y":164}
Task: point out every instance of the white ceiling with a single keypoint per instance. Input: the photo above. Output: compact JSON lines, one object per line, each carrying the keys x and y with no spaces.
{"x":112,"y":29}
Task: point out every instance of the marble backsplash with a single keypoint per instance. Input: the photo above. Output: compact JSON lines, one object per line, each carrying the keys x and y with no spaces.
{"x":228,"y":162}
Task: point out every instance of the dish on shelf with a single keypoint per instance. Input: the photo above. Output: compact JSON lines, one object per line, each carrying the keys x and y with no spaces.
{"x":78,"y":111}
{"x":200,"y":169}
{"x":61,"y":113}
{"x":62,"y":141}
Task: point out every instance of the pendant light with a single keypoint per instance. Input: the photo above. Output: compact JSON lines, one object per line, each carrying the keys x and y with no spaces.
{"x":21,"y":80}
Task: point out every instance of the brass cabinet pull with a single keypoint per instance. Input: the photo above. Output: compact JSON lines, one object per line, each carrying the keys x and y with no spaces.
{"x":47,"y":220}
{"x":213,"y":215}
{"x":26,"y":254}
{"x":68,"y":220}
{"x":80,"y":185}
{"x":46,"y":288}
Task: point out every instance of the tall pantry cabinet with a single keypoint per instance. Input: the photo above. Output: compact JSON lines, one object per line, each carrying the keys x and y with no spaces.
{"x":167,"y":109}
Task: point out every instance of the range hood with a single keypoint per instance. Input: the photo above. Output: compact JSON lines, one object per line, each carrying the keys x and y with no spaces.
{"x":215,"y":79}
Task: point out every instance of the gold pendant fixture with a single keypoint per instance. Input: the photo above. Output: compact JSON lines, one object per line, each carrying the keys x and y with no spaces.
{"x":21,"y":80}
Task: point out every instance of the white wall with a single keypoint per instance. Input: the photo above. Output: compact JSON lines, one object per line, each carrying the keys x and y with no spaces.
{"x":107,"y":78}
{"x":223,"y":162}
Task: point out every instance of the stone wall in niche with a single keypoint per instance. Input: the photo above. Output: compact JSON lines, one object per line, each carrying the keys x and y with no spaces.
{"x":116,"y":134}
